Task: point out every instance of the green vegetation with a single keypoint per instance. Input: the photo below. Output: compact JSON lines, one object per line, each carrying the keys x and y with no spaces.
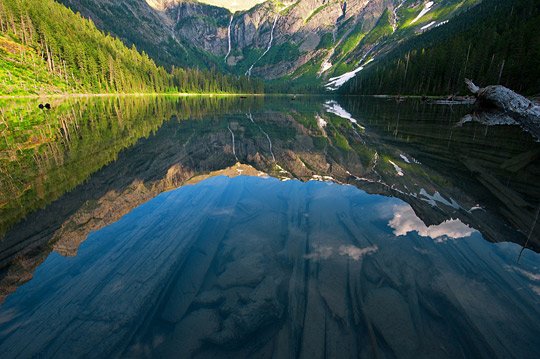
{"x":351,"y":42}
{"x":382,"y":29}
{"x":22,"y":69}
{"x":327,"y":41}
{"x":279,"y":53}
{"x":315,"y":12}
{"x":40,"y":54}
{"x":285,"y":9}
{"x":495,"y":42}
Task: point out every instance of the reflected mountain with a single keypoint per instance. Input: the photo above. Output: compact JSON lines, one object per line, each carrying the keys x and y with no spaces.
{"x":105,"y":157}
{"x":257,"y":267}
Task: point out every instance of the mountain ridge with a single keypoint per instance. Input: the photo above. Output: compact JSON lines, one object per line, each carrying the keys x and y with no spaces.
{"x":313,"y":41}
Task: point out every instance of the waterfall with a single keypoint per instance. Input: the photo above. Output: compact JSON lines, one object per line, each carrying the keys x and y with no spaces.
{"x":396,"y":18}
{"x":248,"y":72}
{"x":266,"y":134}
{"x":233,"y":143}
{"x":229,"y":37}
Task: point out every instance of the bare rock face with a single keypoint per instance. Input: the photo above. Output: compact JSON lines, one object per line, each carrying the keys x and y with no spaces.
{"x":203,"y":26}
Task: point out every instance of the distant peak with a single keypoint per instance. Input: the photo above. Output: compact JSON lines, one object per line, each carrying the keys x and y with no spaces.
{"x":233,"y":6}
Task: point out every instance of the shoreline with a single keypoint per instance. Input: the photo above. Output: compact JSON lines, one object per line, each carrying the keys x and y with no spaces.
{"x":117,"y":94}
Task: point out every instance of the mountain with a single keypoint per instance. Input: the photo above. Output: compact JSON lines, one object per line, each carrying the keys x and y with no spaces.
{"x":136,"y":22}
{"x":497,"y":42}
{"x":304,"y":43}
{"x":39,"y":54}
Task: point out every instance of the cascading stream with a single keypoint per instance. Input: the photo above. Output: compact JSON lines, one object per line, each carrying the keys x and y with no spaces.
{"x":266,"y":134}
{"x":229,"y":37}
{"x":233,"y":143}
{"x":248,"y":72}
{"x":396,"y":17}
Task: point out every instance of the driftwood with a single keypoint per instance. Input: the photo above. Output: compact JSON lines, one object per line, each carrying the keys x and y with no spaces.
{"x":499,"y":105}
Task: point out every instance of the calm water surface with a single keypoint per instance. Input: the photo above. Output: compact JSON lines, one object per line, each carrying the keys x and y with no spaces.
{"x":265,"y":227}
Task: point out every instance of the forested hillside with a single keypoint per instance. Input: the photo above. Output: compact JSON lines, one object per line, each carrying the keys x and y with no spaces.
{"x":136,"y":23}
{"x":46,"y":48}
{"x":497,"y":42}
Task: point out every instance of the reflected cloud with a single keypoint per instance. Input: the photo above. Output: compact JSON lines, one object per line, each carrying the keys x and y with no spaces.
{"x":320,"y":252}
{"x":535,"y":277}
{"x":356,"y":253}
{"x":406,"y":221}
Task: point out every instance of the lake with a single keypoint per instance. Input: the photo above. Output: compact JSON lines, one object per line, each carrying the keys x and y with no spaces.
{"x":272,"y":227}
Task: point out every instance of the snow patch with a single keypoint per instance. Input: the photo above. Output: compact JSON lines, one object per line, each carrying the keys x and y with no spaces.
{"x":336,"y":82}
{"x":335,"y":108}
{"x":398,"y":169}
{"x":409,"y":159}
{"x":442,"y":23}
{"x":404,"y":158}
{"x":424,"y":11}
{"x":332,"y":106}
{"x":428,"y":25}
{"x":476,"y":208}
{"x":437,"y":198}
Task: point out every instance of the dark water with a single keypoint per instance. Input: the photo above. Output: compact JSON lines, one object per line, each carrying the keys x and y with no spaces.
{"x":165,"y":227}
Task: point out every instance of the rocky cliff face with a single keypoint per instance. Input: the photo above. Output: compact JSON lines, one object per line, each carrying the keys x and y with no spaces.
{"x":319,"y":40}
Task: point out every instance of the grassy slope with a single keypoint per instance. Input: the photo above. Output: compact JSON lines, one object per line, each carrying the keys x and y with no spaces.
{"x":23,"y":72}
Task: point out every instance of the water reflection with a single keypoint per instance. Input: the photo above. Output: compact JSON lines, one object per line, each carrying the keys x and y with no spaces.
{"x":264,"y":266}
{"x":254,"y":267}
{"x":46,"y":154}
{"x":406,"y":221}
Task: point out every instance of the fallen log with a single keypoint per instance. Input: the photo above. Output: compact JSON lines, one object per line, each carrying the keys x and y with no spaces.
{"x":499,"y":105}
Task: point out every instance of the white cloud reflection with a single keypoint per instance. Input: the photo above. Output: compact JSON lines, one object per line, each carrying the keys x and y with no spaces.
{"x":356,"y":253}
{"x":406,"y":221}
